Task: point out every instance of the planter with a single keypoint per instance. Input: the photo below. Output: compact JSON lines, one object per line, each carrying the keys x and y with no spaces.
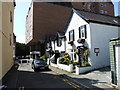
{"x":80,"y":40}
{"x":68,"y":68}
{"x":82,"y":69}
{"x":52,"y":64}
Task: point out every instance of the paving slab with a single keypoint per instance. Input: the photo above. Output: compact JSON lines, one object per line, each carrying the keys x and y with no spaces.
{"x":100,"y":78}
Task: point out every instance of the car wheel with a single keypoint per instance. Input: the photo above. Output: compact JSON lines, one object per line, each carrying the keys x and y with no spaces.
{"x":32,"y":66}
{"x":35,"y":69}
{"x":47,"y":68}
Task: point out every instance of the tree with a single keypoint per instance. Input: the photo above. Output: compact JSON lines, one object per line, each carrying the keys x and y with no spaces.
{"x":22,"y":49}
{"x":118,"y":16}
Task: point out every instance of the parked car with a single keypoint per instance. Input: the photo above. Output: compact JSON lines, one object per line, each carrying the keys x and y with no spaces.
{"x":38,"y":64}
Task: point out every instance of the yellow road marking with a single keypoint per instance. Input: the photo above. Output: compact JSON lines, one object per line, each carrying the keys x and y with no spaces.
{"x":65,"y":80}
{"x":72,"y":84}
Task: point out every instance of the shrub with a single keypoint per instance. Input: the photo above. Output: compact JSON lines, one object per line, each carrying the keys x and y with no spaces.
{"x":43,"y":57}
{"x":65,"y":60}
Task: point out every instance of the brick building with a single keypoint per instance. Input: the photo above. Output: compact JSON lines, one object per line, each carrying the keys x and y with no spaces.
{"x":47,"y":18}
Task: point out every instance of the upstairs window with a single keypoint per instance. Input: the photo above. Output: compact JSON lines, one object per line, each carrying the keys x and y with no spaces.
{"x":11,"y":16}
{"x":71,"y":35}
{"x":10,"y":40}
{"x":103,"y":12}
{"x":59,"y":42}
{"x":82,"y":32}
{"x":102,"y":5}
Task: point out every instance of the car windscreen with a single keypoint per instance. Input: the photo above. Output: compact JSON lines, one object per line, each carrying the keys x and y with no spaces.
{"x":39,"y":60}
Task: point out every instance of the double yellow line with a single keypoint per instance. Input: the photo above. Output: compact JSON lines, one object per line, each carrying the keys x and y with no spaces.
{"x":72,"y":84}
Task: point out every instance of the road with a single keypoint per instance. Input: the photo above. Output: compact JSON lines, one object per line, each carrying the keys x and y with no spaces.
{"x":27,"y":78}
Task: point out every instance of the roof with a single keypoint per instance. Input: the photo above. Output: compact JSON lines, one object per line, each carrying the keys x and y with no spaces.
{"x":115,"y":39}
{"x":61,"y":34}
{"x":98,"y":18}
{"x":53,"y":37}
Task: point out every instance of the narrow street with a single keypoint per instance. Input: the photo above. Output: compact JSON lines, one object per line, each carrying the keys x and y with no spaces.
{"x":27,"y":78}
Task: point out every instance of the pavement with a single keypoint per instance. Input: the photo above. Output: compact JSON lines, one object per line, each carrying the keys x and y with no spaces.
{"x":11,"y":78}
{"x":95,"y":79}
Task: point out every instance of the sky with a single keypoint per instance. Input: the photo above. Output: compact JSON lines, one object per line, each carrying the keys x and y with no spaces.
{"x":20,"y":13}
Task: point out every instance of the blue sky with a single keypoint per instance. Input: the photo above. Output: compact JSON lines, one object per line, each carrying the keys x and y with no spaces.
{"x":20,"y":13}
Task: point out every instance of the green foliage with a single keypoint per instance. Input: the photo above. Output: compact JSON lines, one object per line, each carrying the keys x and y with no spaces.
{"x":44,"y":57}
{"x":76,"y":63}
{"x":65,"y":60}
{"x":86,"y":53}
{"x":85,"y":64}
{"x":118,"y":16}
{"x":22,"y":49}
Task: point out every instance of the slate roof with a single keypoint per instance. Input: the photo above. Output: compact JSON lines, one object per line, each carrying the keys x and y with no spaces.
{"x":98,"y":18}
{"x":53,"y":37}
{"x":61,"y":34}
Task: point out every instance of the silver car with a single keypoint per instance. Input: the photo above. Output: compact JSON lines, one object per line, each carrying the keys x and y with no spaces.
{"x":38,"y":64}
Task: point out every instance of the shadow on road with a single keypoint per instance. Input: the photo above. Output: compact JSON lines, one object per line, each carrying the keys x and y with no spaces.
{"x":29,"y":79}
{"x":84,"y":82}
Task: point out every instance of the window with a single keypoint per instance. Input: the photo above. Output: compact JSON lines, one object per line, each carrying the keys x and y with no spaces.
{"x":10,"y":16}
{"x":102,"y":5}
{"x":31,"y":33}
{"x":59,"y":42}
{"x":103,"y":12}
{"x":71,"y":35}
{"x":82,"y":32}
{"x":10,"y":40}
{"x":83,"y":3}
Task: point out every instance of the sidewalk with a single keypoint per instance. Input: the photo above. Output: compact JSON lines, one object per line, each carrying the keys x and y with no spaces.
{"x":96,"y":79}
{"x":10,"y":79}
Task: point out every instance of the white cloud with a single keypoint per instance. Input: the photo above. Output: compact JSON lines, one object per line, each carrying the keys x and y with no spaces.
{"x":20,"y":38}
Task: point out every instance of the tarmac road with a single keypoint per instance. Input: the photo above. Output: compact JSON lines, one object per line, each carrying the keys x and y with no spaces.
{"x":26,"y":78}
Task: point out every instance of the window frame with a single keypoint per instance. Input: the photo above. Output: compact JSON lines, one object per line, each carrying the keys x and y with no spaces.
{"x":82,"y":30}
{"x":11,"y":18}
{"x":59,"y":42}
{"x":71,"y":35}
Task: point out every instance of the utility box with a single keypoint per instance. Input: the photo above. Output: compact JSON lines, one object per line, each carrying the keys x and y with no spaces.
{"x":115,"y":61}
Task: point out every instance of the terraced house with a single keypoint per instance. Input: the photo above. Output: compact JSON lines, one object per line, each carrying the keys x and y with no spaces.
{"x":86,"y":39}
{"x":6,"y":36}
{"x":47,"y":18}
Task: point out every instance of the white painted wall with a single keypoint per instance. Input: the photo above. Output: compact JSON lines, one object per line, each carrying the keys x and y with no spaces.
{"x":52,"y":44}
{"x":100,"y":36}
{"x":0,"y":41}
{"x":75,"y":23}
{"x":60,"y":48}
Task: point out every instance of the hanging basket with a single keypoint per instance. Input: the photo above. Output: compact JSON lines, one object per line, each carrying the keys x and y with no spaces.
{"x":70,"y":42}
{"x":80,"y":40}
